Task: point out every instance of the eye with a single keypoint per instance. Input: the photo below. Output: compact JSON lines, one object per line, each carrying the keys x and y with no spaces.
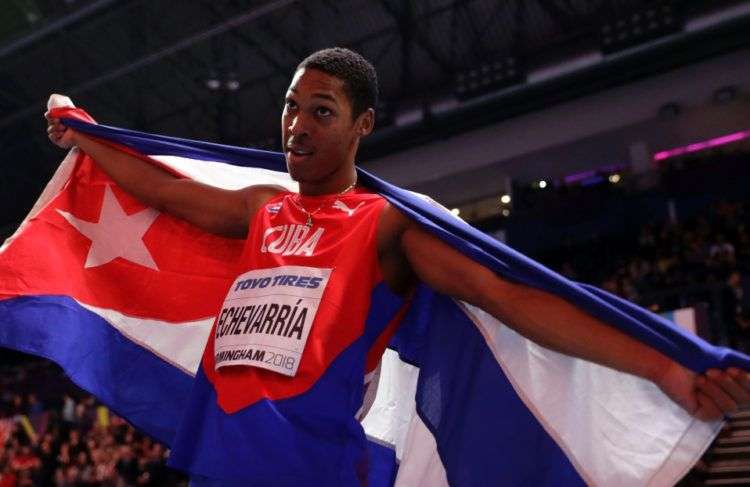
{"x":290,"y":104}
{"x":323,"y":111}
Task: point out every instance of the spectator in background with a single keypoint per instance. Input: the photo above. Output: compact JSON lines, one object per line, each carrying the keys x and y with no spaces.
{"x":16,"y":405}
{"x":743,"y":246}
{"x":127,"y":466}
{"x":647,"y":241}
{"x":674,"y":265}
{"x":722,"y":254}
{"x":24,"y":460}
{"x":73,"y":449}
{"x":34,"y":406}
{"x":733,"y":298}
{"x":63,"y":457}
{"x":68,"y":410}
{"x":75,"y":445}
{"x":743,"y":324}
{"x":8,"y":477}
{"x":48,"y":462}
{"x":25,"y":479}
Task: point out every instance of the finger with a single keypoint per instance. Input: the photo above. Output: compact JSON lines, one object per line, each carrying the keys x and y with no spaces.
{"x":51,"y":119}
{"x":712,"y":389}
{"x":731,"y":385}
{"x":52,"y":132}
{"x":742,"y":376}
{"x":707,"y":410}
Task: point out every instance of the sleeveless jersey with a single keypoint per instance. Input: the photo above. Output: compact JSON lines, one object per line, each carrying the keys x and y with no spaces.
{"x":287,"y":428}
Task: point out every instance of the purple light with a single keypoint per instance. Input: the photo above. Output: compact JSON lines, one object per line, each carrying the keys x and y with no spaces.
{"x":580,"y":177}
{"x":574,"y":178}
{"x":698,"y":146}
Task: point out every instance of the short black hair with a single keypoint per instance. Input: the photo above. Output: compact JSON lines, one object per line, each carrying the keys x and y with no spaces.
{"x":359,"y":76}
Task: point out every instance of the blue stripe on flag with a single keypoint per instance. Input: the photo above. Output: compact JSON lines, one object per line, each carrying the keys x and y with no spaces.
{"x":310,"y":442}
{"x":131,"y":380}
{"x":152,"y":144}
{"x":484,"y":432}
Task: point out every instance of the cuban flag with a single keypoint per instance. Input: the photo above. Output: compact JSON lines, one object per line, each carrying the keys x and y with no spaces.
{"x":123,"y":298}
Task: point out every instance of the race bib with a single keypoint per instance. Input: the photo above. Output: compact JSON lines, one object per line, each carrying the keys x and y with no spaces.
{"x":266,"y":318}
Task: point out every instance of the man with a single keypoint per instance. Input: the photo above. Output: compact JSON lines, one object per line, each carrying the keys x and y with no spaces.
{"x":359,"y":257}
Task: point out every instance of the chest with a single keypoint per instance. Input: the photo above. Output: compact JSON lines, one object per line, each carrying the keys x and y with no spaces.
{"x":326,"y":232}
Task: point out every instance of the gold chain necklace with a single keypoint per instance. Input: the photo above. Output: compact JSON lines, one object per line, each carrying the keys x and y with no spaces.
{"x":311,"y":213}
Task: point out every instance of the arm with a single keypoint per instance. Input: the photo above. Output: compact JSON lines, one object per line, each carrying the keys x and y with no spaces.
{"x":554,"y":323}
{"x":215,"y":210}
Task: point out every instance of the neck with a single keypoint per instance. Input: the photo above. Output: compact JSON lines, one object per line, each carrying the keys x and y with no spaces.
{"x":331,"y":185}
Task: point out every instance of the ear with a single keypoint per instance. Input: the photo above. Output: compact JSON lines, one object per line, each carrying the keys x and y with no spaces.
{"x":366,"y":122}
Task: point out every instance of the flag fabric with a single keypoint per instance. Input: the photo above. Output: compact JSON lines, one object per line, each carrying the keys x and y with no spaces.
{"x":123,"y":298}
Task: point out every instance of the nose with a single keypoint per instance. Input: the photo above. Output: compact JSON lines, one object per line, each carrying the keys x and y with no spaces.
{"x":297,"y":125}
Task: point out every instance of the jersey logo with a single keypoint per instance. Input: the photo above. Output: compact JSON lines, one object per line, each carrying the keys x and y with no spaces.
{"x":290,"y":239}
{"x":340,"y":205}
{"x":273,"y":208}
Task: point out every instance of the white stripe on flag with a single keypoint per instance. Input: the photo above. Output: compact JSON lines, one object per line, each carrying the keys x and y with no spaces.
{"x":180,"y":344}
{"x":227,"y":176}
{"x":685,"y":317}
{"x":617,"y":429}
{"x":394,"y":406}
{"x":421,"y":465}
{"x":392,"y":419}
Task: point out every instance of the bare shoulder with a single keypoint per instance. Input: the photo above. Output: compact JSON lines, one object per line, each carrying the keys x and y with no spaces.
{"x":258,"y":195}
{"x":229,"y":212}
{"x":391,"y":227}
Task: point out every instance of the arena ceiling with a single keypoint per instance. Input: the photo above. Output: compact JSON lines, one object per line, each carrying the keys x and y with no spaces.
{"x":217,"y":69}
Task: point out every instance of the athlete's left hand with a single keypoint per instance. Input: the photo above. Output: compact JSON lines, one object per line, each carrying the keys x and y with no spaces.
{"x":708,"y":396}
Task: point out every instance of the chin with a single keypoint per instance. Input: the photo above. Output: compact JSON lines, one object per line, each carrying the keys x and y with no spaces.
{"x":294,"y":172}
{"x":306,"y":172}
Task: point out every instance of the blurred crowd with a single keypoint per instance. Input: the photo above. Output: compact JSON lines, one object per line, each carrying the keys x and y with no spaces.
{"x":671,"y":264}
{"x":71,"y":440}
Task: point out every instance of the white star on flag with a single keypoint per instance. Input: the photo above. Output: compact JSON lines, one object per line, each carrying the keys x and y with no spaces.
{"x":116,"y":234}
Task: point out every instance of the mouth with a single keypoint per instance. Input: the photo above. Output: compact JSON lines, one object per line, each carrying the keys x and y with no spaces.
{"x":296,"y":155}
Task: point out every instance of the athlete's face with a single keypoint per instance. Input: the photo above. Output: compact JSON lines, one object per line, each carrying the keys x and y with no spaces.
{"x":320,"y":138}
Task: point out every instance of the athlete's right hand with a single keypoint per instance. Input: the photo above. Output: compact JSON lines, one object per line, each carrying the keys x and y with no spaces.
{"x":59,"y":134}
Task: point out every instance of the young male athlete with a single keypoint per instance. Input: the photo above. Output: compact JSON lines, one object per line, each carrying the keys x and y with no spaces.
{"x":339,"y":242}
